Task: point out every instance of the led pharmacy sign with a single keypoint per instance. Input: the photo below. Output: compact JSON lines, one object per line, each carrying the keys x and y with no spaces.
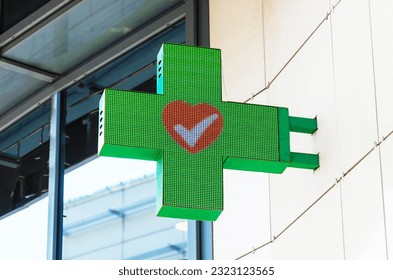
{"x":193,"y":134}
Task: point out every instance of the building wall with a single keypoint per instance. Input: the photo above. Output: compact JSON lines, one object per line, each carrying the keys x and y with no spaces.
{"x":119,"y":222}
{"x":329,"y":59}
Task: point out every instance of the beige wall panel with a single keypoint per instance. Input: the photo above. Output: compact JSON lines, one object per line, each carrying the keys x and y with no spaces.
{"x":245,"y":221}
{"x":382,"y":30}
{"x":354,"y":81}
{"x":387,"y":163}
{"x":334,"y":2}
{"x":332,"y":78}
{"x":306,"y":88}
{"x":236,"y":28}
{"x":316,"y":235}
{"x":364,"y":234}
{"x":288,"y":23}
{"x":265,"y":253}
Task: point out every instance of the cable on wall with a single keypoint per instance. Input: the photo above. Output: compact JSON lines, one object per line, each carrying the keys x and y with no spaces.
{"x":269,"y":83}
{"x":378,"y":129}
{"x":337,"y":126}
{"x":338,"y":180}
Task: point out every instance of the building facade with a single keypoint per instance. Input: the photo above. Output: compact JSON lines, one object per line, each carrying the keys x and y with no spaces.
{"x":118,"y":222}
{"x":325,"y":59}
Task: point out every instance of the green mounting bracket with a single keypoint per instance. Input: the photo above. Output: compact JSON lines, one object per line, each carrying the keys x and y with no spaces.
{"x":299,"y":125}
{"x":303,"y":125}
{"x":304,"y":161}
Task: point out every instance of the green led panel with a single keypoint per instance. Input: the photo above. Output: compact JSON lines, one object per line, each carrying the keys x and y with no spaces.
{"x":193,"y":135}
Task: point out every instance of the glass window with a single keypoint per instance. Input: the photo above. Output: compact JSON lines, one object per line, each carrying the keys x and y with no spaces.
{"x":24,"y":234}
{"x":16,"y":87}
{"x":24,"y":154}
{"x":110,"y":214}
{"x":133,"y":71}
{"x":109,"y":203}
{"x":13,"y":11}
{"x":84,"y":30}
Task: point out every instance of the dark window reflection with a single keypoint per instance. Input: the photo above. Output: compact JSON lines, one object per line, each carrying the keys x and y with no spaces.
{"x":13,"y":11}
{"x":24,"y":155}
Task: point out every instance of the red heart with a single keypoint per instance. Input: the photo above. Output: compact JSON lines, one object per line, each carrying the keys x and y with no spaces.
{"x":193,"y":127}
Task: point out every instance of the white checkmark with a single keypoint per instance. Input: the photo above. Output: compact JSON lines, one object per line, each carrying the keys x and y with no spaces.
{"x":192,"y":136}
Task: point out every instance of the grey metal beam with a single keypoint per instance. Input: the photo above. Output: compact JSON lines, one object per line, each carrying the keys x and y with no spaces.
{"x":112,"y":214}
{"x":203,"y":23}
{"x":206,"y":243}
{"x":151,"y":255}
{"x":9,"y":162}
{"x":27,"y":70}
{"x":87,"y":67}
{"x":56,"y":177}
{"x":191,"y":23}
{"x":200,"y":240}
{"x":1,"y":17}
{"x":36,"y":20}
{"x":197,"y":23}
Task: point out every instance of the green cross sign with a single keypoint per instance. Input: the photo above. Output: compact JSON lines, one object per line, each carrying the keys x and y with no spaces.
{"x":193,"y":134}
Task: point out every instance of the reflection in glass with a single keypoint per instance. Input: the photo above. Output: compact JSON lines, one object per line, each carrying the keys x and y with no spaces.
{"x":84,"y":30}
{"x":14,"y":88}
{"x":110,"y":214}
{"x":14,"y":11}
{"x":23,"y":234}
{"x":24,"y":153}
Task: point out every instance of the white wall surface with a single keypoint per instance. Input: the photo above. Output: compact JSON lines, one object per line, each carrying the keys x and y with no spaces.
{"x":335,"y":64}
{"x":387,"y":179}
{"x":239,"y":30}
{"x":245,"y":220}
